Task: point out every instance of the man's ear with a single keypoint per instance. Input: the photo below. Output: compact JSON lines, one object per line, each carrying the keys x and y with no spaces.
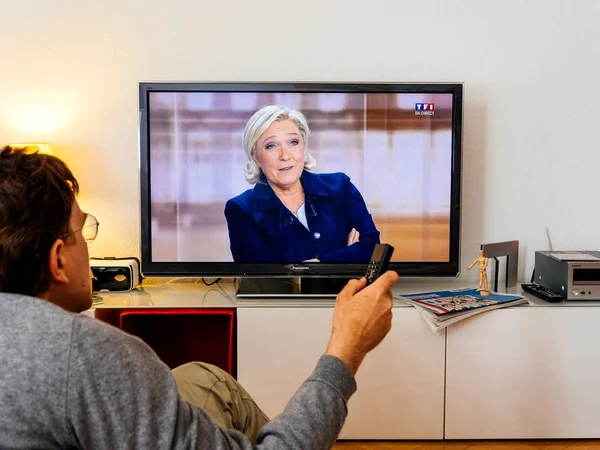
{"x":56,"y":262}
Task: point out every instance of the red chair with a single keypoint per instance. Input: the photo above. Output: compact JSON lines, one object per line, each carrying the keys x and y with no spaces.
{"x":179,"y":336}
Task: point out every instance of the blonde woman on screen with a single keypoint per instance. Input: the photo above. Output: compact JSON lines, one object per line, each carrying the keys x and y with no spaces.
{"x":292,"y":214}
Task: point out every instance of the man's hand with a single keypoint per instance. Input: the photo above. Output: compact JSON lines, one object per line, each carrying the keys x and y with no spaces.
{"x":362,"y":317}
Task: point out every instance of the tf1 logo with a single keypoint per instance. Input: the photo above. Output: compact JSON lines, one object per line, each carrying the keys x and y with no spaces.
{"x":424,"y":109}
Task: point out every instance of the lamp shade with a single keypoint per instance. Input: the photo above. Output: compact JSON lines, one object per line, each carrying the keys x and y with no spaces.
{"x":31,"y":147}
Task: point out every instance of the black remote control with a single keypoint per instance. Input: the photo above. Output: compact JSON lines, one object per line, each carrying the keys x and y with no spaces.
{"x":379,"y":261}
{"x":542,"y":292}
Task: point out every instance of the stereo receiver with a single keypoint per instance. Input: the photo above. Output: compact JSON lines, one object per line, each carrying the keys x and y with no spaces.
{"x":572,"y":274}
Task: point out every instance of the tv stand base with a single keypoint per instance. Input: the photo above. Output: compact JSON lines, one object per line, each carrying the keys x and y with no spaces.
{"x":290,"y":287}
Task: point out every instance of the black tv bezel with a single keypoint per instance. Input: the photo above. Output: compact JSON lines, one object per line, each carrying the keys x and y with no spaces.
{"x":234,"y":269}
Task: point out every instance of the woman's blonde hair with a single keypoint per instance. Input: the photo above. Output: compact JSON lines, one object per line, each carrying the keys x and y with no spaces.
{"x":259,"y":122}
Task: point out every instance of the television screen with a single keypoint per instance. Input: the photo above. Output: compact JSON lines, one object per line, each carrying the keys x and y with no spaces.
{"x":376,"y":163}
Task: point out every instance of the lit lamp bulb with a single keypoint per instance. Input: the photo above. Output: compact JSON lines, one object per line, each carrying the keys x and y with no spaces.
{"x":31,"y":147}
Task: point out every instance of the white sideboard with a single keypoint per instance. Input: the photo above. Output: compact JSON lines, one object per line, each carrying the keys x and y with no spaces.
{"x":523,"y":372}
{"x":400,"y":384}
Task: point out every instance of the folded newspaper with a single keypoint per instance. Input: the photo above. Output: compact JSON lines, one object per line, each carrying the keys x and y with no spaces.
{"x":443,"y":308}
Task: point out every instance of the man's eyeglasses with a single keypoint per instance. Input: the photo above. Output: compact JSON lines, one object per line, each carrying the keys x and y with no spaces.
{"x":89,"y":229}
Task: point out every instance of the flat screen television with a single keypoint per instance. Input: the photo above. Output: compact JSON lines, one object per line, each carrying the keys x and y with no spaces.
{"x":395,"y":148}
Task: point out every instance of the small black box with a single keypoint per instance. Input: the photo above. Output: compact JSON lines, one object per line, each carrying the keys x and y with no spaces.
{"x":115,"y":274}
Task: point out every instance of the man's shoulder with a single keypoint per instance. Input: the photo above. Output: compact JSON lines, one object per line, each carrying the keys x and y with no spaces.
{"x":94,"y":332}
{"x":32,"y":311}
{"x":97,"y":340}
{"x":30,"y":318}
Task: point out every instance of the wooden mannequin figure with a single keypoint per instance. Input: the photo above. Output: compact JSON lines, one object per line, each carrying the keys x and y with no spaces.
{"x":483,"y":281}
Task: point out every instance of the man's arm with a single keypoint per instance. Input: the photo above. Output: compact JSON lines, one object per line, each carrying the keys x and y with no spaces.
{"x":121,"y":396}
{"x":362,"y":317}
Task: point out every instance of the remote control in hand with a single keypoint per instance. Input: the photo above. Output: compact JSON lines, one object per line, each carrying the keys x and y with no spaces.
{"x":379,"y":261}
{"x":542,"y":292}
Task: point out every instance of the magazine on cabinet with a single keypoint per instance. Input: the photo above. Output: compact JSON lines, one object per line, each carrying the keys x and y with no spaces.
{"x":443,"y":308}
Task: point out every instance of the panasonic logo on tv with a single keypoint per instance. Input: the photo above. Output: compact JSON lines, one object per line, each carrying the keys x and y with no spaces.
{"x":296,"y":268}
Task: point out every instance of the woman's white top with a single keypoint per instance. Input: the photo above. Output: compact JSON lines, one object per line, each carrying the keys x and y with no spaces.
{"x":301,"y":215}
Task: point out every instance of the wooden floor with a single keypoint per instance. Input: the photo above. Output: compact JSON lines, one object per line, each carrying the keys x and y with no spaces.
{"x":583,"y":444}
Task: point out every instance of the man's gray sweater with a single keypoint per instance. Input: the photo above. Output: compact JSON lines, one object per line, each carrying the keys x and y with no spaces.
{"x":69,"y":381}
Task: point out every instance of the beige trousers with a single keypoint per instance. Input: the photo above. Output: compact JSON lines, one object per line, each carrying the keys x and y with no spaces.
{"x":220,"y":396}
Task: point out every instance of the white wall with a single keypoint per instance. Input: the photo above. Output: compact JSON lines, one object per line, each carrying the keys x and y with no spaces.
{"x":532,"y":92}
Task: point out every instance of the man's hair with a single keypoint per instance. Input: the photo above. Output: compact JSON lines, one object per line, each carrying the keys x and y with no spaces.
{"x":36,"y":197}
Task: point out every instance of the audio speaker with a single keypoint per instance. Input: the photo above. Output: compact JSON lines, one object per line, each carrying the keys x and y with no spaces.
{"x":115,"y":274}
